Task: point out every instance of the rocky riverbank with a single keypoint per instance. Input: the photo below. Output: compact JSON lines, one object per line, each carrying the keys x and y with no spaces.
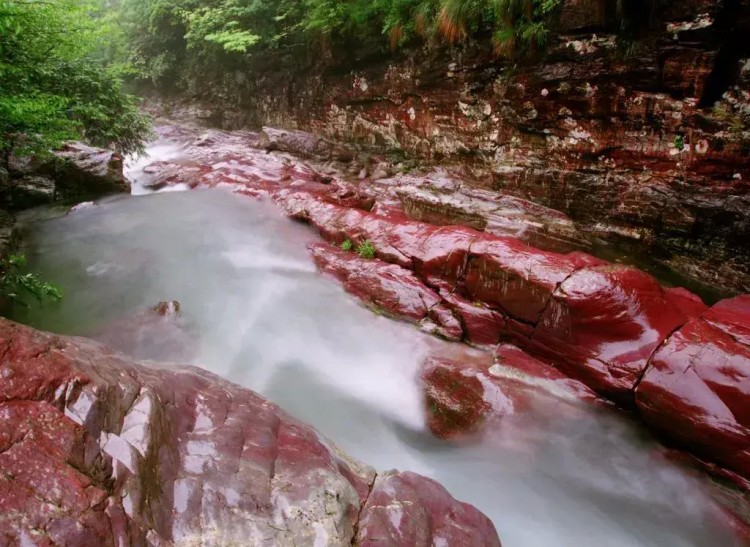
{"x":96,"y":449}
{"x":641,"y":142}
{"x":589,"y":330}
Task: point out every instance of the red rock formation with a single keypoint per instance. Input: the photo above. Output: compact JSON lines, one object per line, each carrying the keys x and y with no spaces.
{"x":696,"y":391}
{"x":411,"y":511}
{"x":612,"y":327}
{"x":464,"y":392}
{"x":98,"y":450}
{"x":640,"y":139}
{"x":388,"y":288}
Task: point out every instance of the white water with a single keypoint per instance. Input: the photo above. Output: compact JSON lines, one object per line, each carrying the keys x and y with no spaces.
{"x":268,"y":321}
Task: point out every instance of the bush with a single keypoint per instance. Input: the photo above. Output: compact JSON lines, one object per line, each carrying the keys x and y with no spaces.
{"x":15,"y":285}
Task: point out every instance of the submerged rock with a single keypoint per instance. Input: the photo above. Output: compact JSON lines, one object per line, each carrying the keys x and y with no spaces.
{"x":159,"y":333}
{"x":96,"y":449}
{"x":464,"y":393}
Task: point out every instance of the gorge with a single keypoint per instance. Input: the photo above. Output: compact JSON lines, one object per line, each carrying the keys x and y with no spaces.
{"x":515,"y":282}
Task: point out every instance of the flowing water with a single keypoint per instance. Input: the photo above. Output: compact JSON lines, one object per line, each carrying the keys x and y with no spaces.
{"x":262,"y":317}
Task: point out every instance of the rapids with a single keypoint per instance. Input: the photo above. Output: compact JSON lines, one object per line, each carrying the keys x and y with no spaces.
{"x":263,"y":317}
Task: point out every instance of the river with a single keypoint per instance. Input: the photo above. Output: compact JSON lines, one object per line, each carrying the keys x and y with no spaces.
{"x":260,"y":315}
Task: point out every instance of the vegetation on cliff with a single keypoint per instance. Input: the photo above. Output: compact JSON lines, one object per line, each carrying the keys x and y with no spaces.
{"x":168,"y":37}
{"x":56,"y":83}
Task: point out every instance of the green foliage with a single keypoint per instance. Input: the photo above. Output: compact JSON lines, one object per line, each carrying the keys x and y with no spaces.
{"x":679,"y":143}
{"x":15,"y":285}
{"x":347,"y":245}
{"x":366,"y":250}
{"x":170,"y":37}
{"x":55,"y":83}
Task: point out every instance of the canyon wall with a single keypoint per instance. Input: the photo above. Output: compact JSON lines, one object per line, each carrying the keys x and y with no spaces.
{"x":644,"y":142}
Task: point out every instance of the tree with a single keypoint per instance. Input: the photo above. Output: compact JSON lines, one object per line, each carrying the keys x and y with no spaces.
{"x":54,"y":84}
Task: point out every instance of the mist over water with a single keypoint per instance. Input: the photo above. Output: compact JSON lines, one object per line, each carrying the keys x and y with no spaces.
{"x":259,"y":314}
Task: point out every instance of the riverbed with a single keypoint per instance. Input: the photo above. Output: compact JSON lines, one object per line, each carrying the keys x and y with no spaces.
{"x":258,"y":313}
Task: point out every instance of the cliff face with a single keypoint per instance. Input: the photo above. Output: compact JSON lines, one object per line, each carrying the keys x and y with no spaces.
{"x":643,"y":142}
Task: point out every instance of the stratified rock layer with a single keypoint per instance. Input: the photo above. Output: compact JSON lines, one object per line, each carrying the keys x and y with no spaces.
{"x":99,"y":450}
{"x":634,"y":122}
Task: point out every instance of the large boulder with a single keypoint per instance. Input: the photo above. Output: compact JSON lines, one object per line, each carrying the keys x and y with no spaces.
{"x":96,"y":449}
{"x":467,"y":391}
{"x":84,"y":171}
{"x":74,"y":172}
{"x":696,"y":391}
{"x":603,"y":324}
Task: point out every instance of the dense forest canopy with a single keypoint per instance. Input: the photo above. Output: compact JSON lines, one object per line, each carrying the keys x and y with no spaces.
{"x":166,"y":34}
{"x":59,"y":79}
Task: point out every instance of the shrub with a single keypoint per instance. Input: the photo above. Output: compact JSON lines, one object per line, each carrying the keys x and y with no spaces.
{"x":15,"y":285}
{"x":347,"y":245}
{"x":366,"y":250}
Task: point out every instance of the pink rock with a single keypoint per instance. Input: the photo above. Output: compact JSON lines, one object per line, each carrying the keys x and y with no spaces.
{"x":465,"y":391}
{"x":96,"y":449}
{"x":406,"y":510}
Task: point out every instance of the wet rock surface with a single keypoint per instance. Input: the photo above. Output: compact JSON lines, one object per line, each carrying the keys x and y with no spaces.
{"x":74,"y":172}
{"x":468,"y":391}
{"x":97,"y":449}
{"x":606,"y":326}
{"x":640,"y":140}
{"x":695,"y":389}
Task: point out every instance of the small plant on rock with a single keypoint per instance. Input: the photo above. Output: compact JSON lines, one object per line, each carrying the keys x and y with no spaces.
{"x":347,"y":245}
{"x":14,"y":284}
{"x":679,"y":143}
{"x":366,"y":250}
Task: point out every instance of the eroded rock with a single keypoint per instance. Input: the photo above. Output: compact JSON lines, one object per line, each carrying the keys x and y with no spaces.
{"x":696,"y":391}
{"x":96,"y":449}
{"x":466,"y":392}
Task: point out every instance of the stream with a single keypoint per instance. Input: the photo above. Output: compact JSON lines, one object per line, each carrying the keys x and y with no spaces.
{"x":260,"y":315}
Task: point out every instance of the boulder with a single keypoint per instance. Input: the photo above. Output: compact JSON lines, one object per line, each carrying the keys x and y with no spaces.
{"x":388,"y":288}
{"x":82,"y":171}
{"x":406,"y":510}
{"x":96,"y":449}
{"x":464,"y":392}
{"x":603,"y":324}
{"x":696,"y":391}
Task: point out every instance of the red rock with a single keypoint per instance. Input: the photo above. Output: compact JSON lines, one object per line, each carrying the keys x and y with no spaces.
{"x":389,"y":288}
{"x":406,"y":510}
{"x":688,"y":303}
{"x":481,"y":325}
{"x":464,"y":392}
{"x":696,"y":391}
{"x":99,"y":450}
{"x":516,"y":278}
{"x":603,"y":325}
